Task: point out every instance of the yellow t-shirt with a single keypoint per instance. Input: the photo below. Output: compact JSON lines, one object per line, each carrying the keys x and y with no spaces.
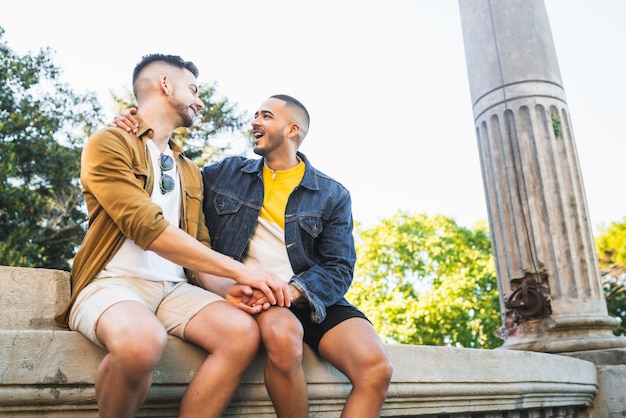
{"x":278,"y":187}
{"x":266,"y":249}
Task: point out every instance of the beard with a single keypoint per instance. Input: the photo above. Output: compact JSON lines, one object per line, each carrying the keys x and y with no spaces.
{"x":270,"y":143}
{"x":183,"y":112}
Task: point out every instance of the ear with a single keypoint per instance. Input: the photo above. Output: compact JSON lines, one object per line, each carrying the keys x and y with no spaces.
{"x":294,"y":131}
{"x":164,"y":84}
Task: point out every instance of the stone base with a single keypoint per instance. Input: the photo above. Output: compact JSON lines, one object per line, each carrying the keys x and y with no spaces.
{"x":565,"y":334}
{"x":611,"y":367}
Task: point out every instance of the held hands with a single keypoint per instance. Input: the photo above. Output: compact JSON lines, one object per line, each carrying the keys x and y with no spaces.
{"x":257,"y":298}
{"x":125,"y":120}
{"x":276,"y":291}
{"x":253,"y":301}
{"x":249,"y":300}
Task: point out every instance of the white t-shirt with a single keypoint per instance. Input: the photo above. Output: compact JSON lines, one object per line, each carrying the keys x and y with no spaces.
{"x":267,"y":250}
{"x":130,"y":260}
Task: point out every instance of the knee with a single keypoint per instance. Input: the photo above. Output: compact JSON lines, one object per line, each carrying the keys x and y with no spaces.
{"x":138,"y":351}
{"x":243,"y":329}
{"x":283,"y":336}
{"x":383,"y":372}
{"x":283,"y":345}
{"x":378,"y":373}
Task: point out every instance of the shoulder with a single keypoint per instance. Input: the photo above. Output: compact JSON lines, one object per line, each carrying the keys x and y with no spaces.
{"x":326,"y":178}
{"x":328,"y":184}
{"x":228,"y":164}
{"x":109,"y":141}
{"x":103,"y":137}
{"x":334,"y":188}
{"x":235,"y":161}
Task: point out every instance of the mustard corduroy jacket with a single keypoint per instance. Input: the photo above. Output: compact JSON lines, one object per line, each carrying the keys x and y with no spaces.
{"x":117,"y":181}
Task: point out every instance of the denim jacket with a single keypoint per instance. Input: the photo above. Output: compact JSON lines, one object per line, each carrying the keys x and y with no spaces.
{"x":318,"y":226}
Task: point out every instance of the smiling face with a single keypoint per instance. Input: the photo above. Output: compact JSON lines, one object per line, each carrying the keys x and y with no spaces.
{"x":175,"y":87}
{"x":184,"y":97}
{"x":271,"y":128}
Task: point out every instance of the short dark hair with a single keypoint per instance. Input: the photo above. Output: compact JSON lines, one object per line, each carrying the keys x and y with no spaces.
{"x":174,"y":60}
{"x":294,"y":102}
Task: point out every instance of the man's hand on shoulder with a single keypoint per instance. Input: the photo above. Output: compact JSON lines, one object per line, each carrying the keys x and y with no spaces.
{"x":125,"y":120}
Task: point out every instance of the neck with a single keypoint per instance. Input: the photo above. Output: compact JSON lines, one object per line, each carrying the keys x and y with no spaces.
{"x":159,"y":124}
{"x":282,"y":164}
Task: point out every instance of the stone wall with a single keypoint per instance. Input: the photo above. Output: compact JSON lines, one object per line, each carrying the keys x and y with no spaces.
{"x":48,"y":371}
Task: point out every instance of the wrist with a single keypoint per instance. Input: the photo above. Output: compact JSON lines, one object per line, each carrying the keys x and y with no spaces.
{"x":296,"y":295}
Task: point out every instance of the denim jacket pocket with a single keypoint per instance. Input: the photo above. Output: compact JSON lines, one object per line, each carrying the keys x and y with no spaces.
{"x":311,"y":227}
{"x":226,"y":205}
{"x":312,"y":224}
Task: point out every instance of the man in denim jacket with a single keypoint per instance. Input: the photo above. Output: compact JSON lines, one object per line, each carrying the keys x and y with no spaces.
{"x":281,"y":214}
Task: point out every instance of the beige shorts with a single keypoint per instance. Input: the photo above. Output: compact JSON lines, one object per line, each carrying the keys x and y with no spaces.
{"x":174,"y":303}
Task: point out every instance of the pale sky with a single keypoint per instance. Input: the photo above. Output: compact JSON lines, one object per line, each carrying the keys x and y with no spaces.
{"x":385,"y":83}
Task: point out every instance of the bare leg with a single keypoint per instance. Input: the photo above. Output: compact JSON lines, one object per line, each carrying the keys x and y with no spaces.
{"x":231,"y":337}
{"x":355,"y":349}
{"x":281,"y":334}
{"x":135,"y":340}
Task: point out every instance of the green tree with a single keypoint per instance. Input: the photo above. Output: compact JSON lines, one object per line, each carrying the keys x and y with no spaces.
{"x":42,"y":126}
{"x":427,"y":280}
{"x":611,"y":248}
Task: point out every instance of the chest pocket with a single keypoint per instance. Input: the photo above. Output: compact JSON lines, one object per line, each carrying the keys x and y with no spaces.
{"x":193,"y":208}
{"x":225,"y":205}
{"x":311,"y":224}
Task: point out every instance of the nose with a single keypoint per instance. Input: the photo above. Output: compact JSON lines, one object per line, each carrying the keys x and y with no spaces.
{"x":200,"y":104}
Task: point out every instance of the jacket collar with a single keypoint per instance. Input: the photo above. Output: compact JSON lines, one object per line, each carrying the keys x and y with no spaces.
{"x":144,"y":132}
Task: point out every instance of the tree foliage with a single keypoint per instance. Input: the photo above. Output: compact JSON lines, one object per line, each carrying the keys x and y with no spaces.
{"x":611,"y":248}
{"x":427,"y":280}
{"x":42,"y":126}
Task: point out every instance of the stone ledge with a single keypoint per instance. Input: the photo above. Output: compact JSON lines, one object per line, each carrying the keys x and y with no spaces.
{"x":54,"y":371}
{"x":30,"y":297}
{"x":48,"y":371}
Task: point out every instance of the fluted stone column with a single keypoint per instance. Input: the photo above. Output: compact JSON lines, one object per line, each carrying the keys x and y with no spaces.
{"x":551,"y":293}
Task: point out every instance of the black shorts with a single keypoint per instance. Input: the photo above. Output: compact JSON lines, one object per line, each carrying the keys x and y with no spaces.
{"x":335,"y":315}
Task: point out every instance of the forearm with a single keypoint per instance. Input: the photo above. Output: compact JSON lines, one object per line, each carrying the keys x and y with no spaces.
{"x":325,"y":286}
{"x":179,"y":247}
{"x":216,"y":284}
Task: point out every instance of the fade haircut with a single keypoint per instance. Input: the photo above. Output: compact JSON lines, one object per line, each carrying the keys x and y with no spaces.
{"x":173,"y":60}
{"x":292,"y":102}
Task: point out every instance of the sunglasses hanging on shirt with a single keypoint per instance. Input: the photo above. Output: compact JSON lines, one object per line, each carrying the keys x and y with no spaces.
{"x":167,"y":182}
